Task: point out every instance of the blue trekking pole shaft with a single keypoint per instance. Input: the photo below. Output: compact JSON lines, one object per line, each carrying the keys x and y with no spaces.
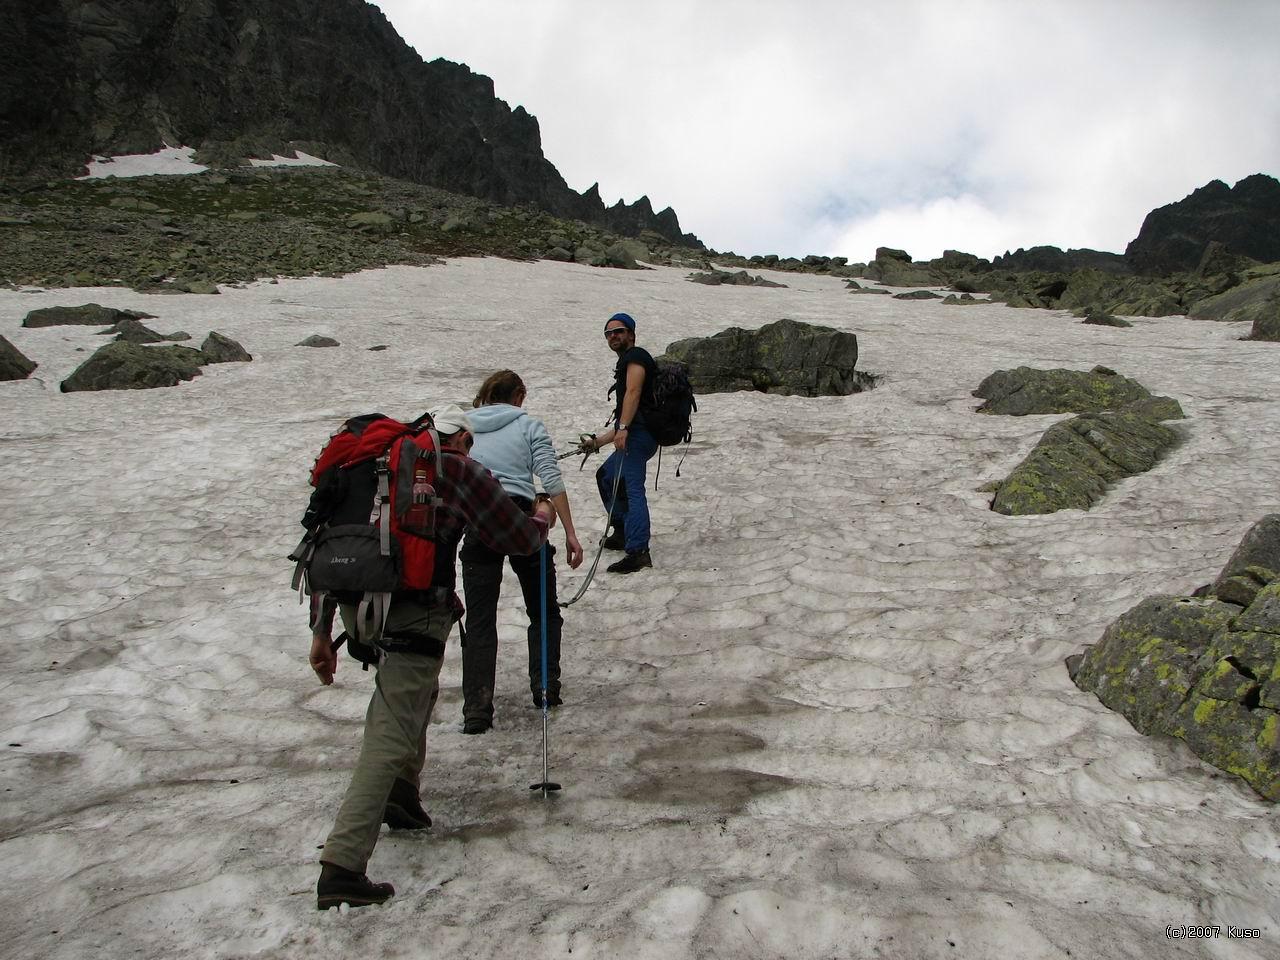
{"x":542,"y":584}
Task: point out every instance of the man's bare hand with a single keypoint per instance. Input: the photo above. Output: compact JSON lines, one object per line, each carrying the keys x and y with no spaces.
{"x":324,"y":657}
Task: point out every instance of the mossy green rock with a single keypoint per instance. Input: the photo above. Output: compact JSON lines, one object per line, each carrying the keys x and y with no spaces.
{"x":1077,"y":460}
{"x":1145,"y":664}
{"x":1253,"y":564}
{"x":131,"y":366}
{"x":1202,"y":670}
{"x":1026,"y":390}
{"x":786,"y":357}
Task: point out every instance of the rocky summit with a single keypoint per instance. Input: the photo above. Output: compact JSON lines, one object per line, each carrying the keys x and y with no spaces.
{"x":252,"y":78}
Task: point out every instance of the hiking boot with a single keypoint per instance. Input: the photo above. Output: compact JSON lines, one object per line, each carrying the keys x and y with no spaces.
{"x":616,"y":540}
{"x":404,"y":809}
{"x":337,"y":886}
{"x":476,"y":725}
{"x":633,"y":561}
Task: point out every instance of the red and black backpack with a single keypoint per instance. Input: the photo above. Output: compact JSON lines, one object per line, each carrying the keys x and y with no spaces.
{"x":371,"y":519}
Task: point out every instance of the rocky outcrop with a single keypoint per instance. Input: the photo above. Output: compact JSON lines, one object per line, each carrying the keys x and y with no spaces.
{"x":813,"y":263}
{"x":1100,"y":318}
{"x":895,"y":268}
{"x":257,"y":77}
{"x":87,"y":315}
{"x":1245,"y":219}
{"x":1056,"y":260}
{"x":1076,"y":461}
{"x":1118,"y":435}
{"x":219,"y":349}
{"x":739,"y":278}
{"x":1256,"y":297}
{"x":1025,"y":390}
{"x":14,"y":365}
{"x":131,"y":366}
{"x":1204,"y":669}
{"x":785,"y":357}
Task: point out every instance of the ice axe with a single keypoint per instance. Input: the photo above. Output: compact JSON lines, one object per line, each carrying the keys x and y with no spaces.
{"x":546,"y":786}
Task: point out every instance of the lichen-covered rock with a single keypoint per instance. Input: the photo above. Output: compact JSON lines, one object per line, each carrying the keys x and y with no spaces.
{"x":1025,"y":390}
{"x":785,"y":357}
{"x":219,"y":349}
{"x":1075,"y":462}
{"x":132,"y":366}
{"x":14,"y":365}
{"x":315,"y":340}
{"x":1255,"y":562}
{"x":1201,"y":669}
{"x":86,"y":315}
{"x":1145,"y":664}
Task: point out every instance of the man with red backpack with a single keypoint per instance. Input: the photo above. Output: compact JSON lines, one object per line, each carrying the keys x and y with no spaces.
{"x":408,"y":625}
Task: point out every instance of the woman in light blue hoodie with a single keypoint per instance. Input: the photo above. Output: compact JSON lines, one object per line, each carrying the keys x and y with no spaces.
{"x":515,"y":448}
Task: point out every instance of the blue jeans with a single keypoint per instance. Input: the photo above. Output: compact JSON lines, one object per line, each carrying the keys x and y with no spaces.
{"x":631,"y":509}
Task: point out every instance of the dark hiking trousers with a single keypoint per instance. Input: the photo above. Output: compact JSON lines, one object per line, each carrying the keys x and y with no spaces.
{"x":482,"y":584}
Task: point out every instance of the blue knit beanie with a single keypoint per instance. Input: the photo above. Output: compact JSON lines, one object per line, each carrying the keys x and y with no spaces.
{"x":624,"y":319}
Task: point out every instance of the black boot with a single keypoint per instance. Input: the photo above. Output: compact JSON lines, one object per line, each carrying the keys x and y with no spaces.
{"x":632,"y":562}
{"x":616,"y":540}
{"x":338,"y":885}
{"x":404,"y":809}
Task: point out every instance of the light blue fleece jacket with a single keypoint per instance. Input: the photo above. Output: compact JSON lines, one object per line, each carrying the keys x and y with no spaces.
{"x":515,"y":447}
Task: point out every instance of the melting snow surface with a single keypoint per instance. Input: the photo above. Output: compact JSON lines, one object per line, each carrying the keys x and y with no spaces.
{"x":169,"y":161}
{"x":833,"y":720}
{"x":301,"y":160}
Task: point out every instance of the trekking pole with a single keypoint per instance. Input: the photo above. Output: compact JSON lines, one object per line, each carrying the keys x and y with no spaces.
{"x":546,"y":786}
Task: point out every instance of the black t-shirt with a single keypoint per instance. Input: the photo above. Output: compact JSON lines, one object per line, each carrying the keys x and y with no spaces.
{"x":635,"y":355}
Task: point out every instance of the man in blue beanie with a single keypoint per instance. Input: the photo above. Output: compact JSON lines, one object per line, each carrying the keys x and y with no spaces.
{"x":633,"y":447}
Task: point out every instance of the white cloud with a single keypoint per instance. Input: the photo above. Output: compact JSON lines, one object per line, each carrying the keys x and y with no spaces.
{"x":1014,"y":124}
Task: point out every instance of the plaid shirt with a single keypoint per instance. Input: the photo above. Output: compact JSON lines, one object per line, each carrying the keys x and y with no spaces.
{"x":473,"y":498}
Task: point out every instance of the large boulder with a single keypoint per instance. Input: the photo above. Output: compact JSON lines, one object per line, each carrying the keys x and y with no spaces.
{"x":1076,"y":461}
{"x":1266,"y":328}
{"x":785,"y":357}
{"x":739,"y":278}
{"x":14,"y":365}
{"x":87,"y":315}
{"x":1025,"y":390}
{"x":1257,"y":297}
{"x":1245,"y":219}
{"x":131,"y":366}
{"x":219,"y":349}
{"x":894,"y":268}
{"x":1255,"y":562}
{"x":1203,"y":669}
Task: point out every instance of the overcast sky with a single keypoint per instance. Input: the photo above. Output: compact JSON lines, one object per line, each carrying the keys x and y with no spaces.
{"x":829,"y":127}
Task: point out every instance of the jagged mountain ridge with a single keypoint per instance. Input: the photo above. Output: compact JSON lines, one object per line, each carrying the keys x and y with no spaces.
{"x":126,"y":76}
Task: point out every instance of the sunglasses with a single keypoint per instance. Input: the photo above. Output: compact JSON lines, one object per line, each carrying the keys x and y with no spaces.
{"x":614,"y":331}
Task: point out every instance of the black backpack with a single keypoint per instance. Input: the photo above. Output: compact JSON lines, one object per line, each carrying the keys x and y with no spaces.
{"x":673,"y":404}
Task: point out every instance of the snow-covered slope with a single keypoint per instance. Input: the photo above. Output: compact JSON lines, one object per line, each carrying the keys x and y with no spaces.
{"x":833,"y":721}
